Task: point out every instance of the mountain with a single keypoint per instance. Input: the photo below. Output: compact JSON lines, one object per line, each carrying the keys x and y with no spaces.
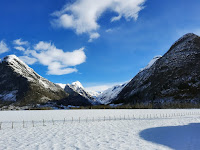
{"x":175,"y":77}
{"x":61,"y":85}
{"x":21,"y":85}
{"x":78,"y":95}
{"x":151,"y":63}
{"x":94,"y":94}
{"x":110,"y":94}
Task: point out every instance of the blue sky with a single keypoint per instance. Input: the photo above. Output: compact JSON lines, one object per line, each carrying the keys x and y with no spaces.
{"x":98,"y":46}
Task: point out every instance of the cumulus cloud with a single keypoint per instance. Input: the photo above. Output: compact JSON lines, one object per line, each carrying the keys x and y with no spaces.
{"x":28,"y":60}
{"x":93,"y":36}
{"x":3,"y":47}
{"x":82,"y":15}
{"x":20,"y":42}
{"x":42,"y":46}
{"x":20,"y":48}
{"x":58,"y":61}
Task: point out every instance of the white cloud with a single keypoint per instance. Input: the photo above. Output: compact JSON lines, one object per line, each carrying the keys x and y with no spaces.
{"x":20,"y":42}
{"x":28,"y":60}
{"x":82,"y":15}
{"x":109,"y":30}
{"x":116,"y":18}
{"x":3,"y":47}
{"x":57,"y":69}
{"x":93,"y":36}
{"x":42,"y":46}
{"x":58,"y":61}
{"x":20,"y":48}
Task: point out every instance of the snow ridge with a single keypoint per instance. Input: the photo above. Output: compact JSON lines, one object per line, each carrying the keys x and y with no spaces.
{"x":151,"y":62}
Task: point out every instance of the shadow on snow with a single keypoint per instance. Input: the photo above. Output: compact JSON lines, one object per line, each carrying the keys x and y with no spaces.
{"x":185,"y":137}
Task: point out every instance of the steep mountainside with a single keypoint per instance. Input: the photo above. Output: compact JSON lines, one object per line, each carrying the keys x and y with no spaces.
{"x":175,"y":77}
{"x":108,"y":95}
{"x":78,"y":95}
{"x":22,"y":85}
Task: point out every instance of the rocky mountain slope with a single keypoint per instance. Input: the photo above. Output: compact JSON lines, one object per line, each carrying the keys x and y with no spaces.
{"x":78,"y":95}
{"x":175,"y":77}
{"x":21,"y":85}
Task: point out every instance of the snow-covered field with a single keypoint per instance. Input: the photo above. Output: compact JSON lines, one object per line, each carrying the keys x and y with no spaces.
{"x":100,"y":129}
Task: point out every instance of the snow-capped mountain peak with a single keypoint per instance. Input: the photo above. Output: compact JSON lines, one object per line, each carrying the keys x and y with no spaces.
{"x":77,"y":85}
{"x":21,"y":83}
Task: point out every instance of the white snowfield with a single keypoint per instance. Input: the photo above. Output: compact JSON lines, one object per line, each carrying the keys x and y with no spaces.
{"x":100,"y":129}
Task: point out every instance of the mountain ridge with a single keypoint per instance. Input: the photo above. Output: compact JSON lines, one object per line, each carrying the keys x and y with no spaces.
{"x":171,"y":78}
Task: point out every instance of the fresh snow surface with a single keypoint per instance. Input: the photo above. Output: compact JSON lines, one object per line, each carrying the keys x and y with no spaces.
{"x":111,"y":93}
{"x":146,"y":130}
{"x":151,"y":62}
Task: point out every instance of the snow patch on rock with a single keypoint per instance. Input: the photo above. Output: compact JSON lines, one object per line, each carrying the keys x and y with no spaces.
{"x":151,"y":62}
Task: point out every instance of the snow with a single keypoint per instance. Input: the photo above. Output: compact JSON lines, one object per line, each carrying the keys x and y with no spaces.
{"x":78,"y":88}
{"x":111,"y":93}
{"x":151,"y":62}
{"x":94,"y":93}
{"x":61,"y":85}
{"x":76,"y":85}
{"x":148,"y":130}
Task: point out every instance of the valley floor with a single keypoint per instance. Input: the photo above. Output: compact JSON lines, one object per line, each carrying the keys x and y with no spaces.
{"x":100,"y":129}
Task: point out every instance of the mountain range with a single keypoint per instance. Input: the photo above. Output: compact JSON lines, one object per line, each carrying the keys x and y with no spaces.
{"x":171,"y":78}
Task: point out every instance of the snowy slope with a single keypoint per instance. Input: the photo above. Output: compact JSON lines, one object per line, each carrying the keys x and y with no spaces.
{"x":94,"y":93}
{"x":77,"y":87}
{"x":108,"y":95}
{"x":151,"y":62}
{"x":61,"y":85}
